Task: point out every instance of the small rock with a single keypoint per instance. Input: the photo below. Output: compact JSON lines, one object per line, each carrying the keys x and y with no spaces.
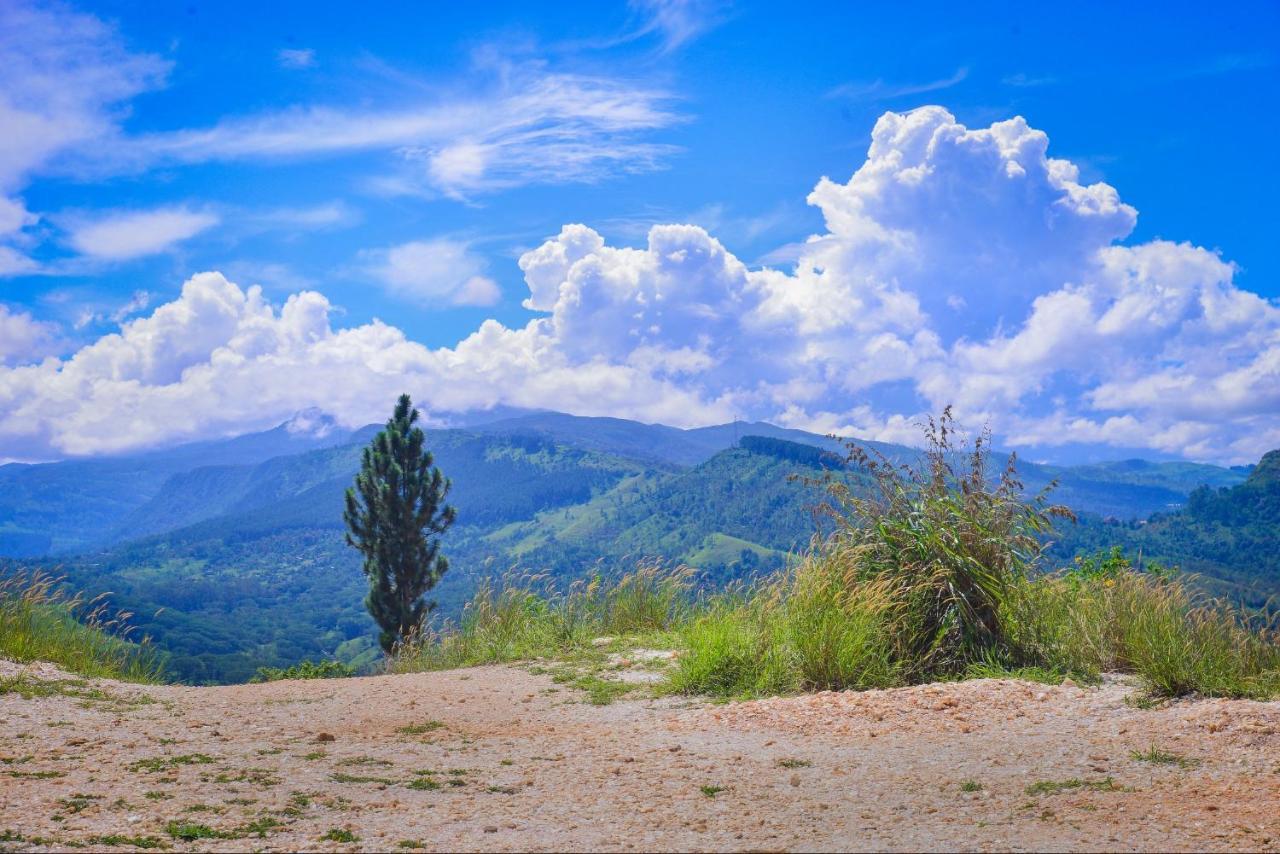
{"x":795,"y":779}
{"x":1069,"y":683}
{"x":491,"y":828}
{"x":325,"y":737}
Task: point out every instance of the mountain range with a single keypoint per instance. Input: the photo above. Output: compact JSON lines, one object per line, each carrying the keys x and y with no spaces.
{"x":230,"y":553}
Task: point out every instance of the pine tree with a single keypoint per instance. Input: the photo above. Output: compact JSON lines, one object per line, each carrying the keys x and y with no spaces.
{"x":395,"y":515}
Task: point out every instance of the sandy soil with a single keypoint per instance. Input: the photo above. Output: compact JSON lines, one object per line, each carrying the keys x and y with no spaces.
{"x":521,"y":763}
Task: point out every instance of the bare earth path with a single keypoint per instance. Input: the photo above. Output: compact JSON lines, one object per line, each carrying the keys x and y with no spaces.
{"x":517,"y":762}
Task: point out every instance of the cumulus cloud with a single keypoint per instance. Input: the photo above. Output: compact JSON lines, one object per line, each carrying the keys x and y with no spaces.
{"x":23,"y":338}
{"x":434,"y":273}
{"x":956,"y":265}
{"x":121,"y":235}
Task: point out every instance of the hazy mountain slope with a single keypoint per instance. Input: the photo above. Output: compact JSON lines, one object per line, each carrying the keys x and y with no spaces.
{"x":76,"y":504}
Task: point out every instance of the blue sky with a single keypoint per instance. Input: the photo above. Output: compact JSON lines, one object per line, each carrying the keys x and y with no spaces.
{"x":398,"y":166}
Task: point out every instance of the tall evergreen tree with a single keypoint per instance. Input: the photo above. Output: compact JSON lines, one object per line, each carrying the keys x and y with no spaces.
{"x":395,"y":515}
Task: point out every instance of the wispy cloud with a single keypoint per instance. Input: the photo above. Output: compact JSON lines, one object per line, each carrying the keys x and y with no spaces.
{"x":1022,"y":80}
{"x":296,"y":57}
{"x":677,"y":22}
{"x":530,"y":127}
{"x":121,"y":235}
{"x":63,"y":77}
{"x":880,"y":90}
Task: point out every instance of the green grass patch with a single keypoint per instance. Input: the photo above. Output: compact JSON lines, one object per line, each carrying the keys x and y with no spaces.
{"x":40,"y":621}
{"x":711,"y":791}
{"x":1053,"y":787}
{"x":115,"y":840}
{"x":1157,"y":756}
{"x":338,"y":834}
{"x":156,"y":764}
{"x":304,"y":670}
{"x":420,"y":729}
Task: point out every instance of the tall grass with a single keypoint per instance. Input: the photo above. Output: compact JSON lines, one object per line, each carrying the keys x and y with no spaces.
{"x":524,"y":617}
{"x":934,"y":573}
{"x":40,"y":622}
{"x":1156,"y":625}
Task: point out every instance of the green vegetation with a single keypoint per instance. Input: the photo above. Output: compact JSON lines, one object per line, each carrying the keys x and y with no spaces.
{"x":40,"y":622}
{"x":338,"y":834}
{"x":1053,"y":787}
{"x":420,"y":729}
{"x":711,"y":791}
{"x":935,"y":575}
{"x":305,"y":670}
{"x":395,"y":515}
{"x":509,"y":620}
{"x":1156,"y":756}
{"x":971,"y":786}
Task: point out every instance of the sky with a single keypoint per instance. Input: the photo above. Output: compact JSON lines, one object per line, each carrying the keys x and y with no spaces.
{"x":835,"y":217}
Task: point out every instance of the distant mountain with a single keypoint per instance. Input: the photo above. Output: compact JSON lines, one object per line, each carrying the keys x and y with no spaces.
{"x":231,"y":552}
{"x":77,"y":504}
{"x":1229,"y":535}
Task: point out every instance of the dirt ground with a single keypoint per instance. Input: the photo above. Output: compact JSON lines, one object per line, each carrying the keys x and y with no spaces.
{"x":499,"y":758}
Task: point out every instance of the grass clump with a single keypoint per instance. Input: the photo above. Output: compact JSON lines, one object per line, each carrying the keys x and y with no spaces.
{"x":338,"y":834}
{"x":156,"y":764}
{"x":190,"y":832}
{"x":1157,"y":756}
{"x":971,"y":786}
{"x":40,"y":621}
{"x":522,"y":618}
{"x":711,"y":791}
{"x":305,"y":670}
{"x":420,"y":729}
{"x":932,"y":572}
{"x":1053,"y":787}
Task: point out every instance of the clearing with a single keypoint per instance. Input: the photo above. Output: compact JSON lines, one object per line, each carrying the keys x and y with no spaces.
{"x":505,"y":758}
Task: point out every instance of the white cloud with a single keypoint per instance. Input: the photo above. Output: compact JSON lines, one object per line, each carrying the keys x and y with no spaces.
{"x":296,"y":57}
{"x":530,"y":126}
{"x":24,"y":339}
{"x":957,"y":266}
{"x":64,"y":77}
{"x":879,"y":90}
{"x":131,"y":234}
{"x":676,"y":22}
{"x":434,"y":273}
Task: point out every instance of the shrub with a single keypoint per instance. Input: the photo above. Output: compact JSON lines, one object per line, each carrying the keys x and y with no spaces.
{"x":305,"y":670}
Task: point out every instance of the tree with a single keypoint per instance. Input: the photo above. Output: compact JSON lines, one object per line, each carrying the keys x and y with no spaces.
{"x":395,"y":515}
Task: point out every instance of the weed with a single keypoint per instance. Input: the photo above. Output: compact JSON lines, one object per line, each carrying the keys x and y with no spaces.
{"x":419,"y":729}
{"x":78,"y":803}
{"x":338,"y":834}
{"x":189,"y":832}
{"x":304,"y":670}
{"x":164,"y":763}
{"x":425,"y":784}
{"x":340,"y":777}
{"x":971,"y":786}
{"x":1053,"y":787}
{"x":115,"y":840}
{"x":711,"y":791}
{"x":1157,"y":756}
{"x":794,"y":763}
{"x":314,"y":755}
